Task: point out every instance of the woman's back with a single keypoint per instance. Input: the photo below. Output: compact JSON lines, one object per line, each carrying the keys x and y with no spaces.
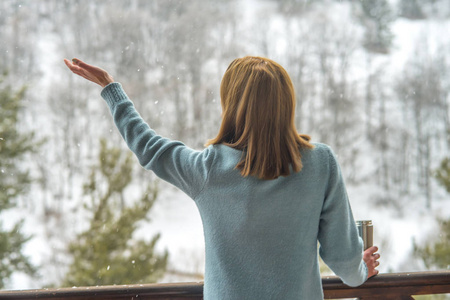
{"x":261,"y":235}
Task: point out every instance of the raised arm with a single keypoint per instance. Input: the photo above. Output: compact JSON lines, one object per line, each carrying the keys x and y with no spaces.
{"x":170,"y":160}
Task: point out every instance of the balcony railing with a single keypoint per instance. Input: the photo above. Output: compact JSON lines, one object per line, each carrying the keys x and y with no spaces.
{"x":398,"y":286}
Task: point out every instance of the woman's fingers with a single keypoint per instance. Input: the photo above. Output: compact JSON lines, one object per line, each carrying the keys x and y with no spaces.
{"x":89,"y":72}
{"x":77,"y":70}
{"x":371,"y":260}
{"x":78,"y":66}
{"x":372,"y":250}
{"x":70,"y":65}
{"x":87,"y":67}
{"x":67,"y":62}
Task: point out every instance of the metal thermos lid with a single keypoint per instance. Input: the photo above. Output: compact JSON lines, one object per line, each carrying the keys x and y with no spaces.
{"x":364,"y":222}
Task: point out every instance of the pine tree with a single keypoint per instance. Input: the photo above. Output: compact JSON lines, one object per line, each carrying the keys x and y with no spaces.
{"x":436,"y":253}
{"x":106,"y":252}
{"x":443,"y":174}
{"x":14,"y":180}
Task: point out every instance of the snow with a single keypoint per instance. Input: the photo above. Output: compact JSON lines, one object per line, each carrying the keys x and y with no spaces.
{"x":407,"y":33}
{"x":175,"y":215}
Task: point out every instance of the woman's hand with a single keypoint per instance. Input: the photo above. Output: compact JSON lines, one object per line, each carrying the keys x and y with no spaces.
{"x":91,"y":73}
{"x":371,"y":260}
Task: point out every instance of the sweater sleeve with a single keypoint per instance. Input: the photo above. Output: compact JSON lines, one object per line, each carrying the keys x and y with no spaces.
{"x":341,"y":248}
{"x":170,"y":160}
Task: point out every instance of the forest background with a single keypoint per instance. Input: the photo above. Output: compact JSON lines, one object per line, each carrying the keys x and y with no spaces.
{"x":372,"y":80}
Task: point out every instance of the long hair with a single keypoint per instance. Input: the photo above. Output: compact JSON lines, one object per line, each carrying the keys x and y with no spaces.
{"x":258,"y":112}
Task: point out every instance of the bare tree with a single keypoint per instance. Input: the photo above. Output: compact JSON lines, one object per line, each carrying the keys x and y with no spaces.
{"x":421,"y":87}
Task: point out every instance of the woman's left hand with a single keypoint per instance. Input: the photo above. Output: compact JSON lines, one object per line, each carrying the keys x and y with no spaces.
{"x":91,"y":73}
{"x":371,"y":260}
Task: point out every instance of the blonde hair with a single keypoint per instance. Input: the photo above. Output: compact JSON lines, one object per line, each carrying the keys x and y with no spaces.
{"x":258,"y":104}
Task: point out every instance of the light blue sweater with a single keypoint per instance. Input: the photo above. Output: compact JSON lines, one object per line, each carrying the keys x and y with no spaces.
{"x":260,"y":235}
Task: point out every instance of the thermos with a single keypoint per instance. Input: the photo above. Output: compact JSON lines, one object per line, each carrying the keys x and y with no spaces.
{"x":365,"y":230}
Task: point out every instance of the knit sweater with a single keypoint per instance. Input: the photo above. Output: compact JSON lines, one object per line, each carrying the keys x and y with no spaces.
{"x":261,"y":236}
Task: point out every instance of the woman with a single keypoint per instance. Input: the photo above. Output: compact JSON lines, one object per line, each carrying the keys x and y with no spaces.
{"x":266,"y":195}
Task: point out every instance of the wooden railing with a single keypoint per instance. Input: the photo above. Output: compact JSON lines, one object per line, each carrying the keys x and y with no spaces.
{"x":398,"y":286}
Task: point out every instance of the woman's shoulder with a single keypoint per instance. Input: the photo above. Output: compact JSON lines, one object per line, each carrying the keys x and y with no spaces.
{"x":320,"y":149}
{"x":320,"y":154}
{"x":223,"y":152}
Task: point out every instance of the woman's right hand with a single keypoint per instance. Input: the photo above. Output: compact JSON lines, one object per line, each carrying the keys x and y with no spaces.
{"x":371,"y":260}
{"x":90,"y":72}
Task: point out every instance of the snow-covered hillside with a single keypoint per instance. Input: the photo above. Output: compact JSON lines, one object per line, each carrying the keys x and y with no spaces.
{"x":170,"y":56}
